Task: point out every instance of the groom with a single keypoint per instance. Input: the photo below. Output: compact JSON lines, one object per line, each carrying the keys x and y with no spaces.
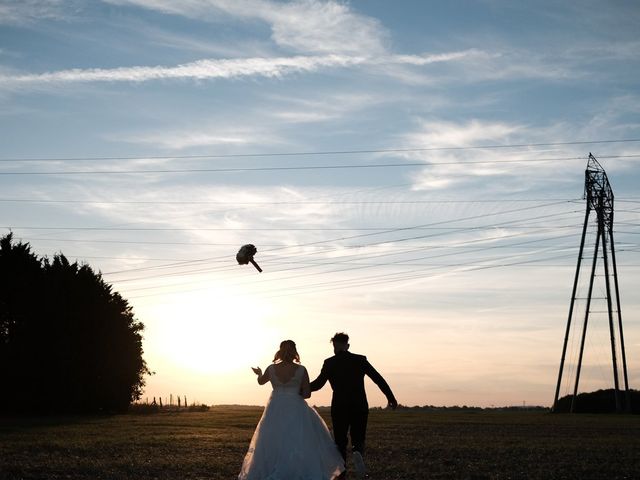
{"x":349,"y":408}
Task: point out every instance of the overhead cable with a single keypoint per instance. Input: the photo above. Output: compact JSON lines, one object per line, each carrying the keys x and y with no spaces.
{"x":322,"y":152}
{"x":291,"y":168}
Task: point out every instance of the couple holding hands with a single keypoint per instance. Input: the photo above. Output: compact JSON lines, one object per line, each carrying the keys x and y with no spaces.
{"x":291,"y":441}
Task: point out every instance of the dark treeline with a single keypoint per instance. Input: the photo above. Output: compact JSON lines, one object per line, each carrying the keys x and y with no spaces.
{"x":600,"y":401}
{"x":466,"y":408}
{"x":68,"y":343}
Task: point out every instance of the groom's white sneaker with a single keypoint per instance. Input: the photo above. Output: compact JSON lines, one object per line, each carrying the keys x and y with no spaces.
{"x":358,"y":463}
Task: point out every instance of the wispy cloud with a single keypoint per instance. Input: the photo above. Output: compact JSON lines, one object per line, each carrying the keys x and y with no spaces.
{"x":21,"y":12}
{"x":198,"y":136}
{"x":260,"y":126}
{"x":447,"y":134}
{"x":459,"y":169}
{"x":293,"y":116}
{"x":307,"y":26}
{"x":199,"y":70}
{"x":225,"y":68}
{"x":193,"y":43}
{"x":321,"y":106}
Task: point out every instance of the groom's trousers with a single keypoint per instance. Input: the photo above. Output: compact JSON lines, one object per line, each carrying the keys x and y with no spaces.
{"x":349,"y":419}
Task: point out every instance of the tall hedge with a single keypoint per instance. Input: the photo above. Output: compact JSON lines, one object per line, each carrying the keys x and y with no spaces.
{"x":68,"y":342}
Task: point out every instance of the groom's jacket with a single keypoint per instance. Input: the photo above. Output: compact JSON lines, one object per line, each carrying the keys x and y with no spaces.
{"x":345,"y":372}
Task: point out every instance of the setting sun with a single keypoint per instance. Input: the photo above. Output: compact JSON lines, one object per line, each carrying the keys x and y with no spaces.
{"x":211,"y":332}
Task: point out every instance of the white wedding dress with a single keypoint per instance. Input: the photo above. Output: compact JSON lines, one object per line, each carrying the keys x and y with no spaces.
{"x":291,"y":441}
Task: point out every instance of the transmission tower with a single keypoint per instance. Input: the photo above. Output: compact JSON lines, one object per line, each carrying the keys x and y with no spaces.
{"x":599,"y":197}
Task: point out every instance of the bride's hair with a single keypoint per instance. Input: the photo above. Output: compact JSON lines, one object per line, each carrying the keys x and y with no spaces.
{"x":287,"y":352}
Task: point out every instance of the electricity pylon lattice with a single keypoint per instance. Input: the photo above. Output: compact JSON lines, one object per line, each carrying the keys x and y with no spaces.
{"x":599,"y":199}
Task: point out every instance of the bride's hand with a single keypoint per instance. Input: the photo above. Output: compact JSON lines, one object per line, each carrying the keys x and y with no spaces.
{"x":257,"y":371}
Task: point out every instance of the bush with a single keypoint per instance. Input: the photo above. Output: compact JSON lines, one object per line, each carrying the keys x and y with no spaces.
{"x":600,"y":401}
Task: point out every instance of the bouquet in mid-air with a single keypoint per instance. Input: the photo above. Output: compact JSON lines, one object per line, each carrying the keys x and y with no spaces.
{"x":245,"y":256}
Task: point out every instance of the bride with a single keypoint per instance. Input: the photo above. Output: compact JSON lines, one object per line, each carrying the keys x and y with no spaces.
{"x":291,"y":441}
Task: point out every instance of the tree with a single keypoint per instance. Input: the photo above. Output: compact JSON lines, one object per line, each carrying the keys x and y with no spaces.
{"x":68,"y":343}
{"x":600,"y":401}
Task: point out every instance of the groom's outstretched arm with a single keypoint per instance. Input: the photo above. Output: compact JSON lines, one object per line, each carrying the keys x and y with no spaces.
{"x":381,"y":383}
{"x":319,"y":382}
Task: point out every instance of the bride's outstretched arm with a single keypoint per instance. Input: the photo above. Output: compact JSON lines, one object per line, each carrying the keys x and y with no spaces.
{"x":262,"y":377}
{"x":305,"y":390}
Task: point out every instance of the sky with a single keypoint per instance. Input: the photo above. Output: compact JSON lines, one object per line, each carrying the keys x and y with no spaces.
{"x":411,"y":173}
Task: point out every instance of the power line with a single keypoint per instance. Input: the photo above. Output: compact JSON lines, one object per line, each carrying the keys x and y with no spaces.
{"x":233,"y":267}
{"x":368,"y":189}
{"x":388,"y":263}
{"x":259,"y":229}
{"x":402,"y":276}
{"x":145,"y":259}
{"x":394,"y":230}
{"x":446,"y":254}
{"x":301,"y":202}
{"x":298,"y":202}
{"x":344,"y":260}
{"x":307,"y":167}
{"x":379,"y":255}
{"x":316,"y":153}
{"x":349,"y":269}
{"x":412,"y":261}
{"x":226,"y":259}
{"x":212,"y":244}
{"x":308,"y":262}
{"x":371,"y":280}
{"x":134,"y":242}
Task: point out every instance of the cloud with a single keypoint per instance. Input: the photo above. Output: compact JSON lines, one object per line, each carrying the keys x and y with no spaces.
{"x":324,"y":27}
{"x":554,"y":63}
{"x":225,"y":68}
{"x":308,"y":26}
{"x":420,"y":60}
{"x":450,"y":164}
{"x":320,"y":106}
{"x":321,"y":34}
{"x":450,"y":134}
{"x":25,"y":12}
{"x":194,"y":42}
{"x":261,"y":126}
{"x":197,"y":136}
{"x":199,"y":70}
{"x":296,"y":117}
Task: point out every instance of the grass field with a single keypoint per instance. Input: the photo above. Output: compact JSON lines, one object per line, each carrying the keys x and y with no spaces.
{"x":403,"y":445}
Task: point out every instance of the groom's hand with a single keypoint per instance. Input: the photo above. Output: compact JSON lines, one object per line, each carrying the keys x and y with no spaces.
{"x":393,"y":404}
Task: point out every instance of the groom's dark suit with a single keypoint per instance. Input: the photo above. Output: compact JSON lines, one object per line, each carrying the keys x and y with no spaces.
{"x":349,"y":408}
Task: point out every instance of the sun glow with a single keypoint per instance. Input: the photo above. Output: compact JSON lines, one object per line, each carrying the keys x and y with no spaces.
{"x":214,"y":332}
